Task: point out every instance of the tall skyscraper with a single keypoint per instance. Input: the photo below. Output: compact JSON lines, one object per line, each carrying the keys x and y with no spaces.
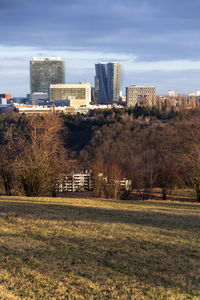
{"x":101,"y":83}
{"x":108,"y":82}
{"x":46,"y":71}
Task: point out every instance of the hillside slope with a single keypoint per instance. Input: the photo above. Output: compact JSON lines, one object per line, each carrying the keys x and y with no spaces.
{"x":95,"y":249}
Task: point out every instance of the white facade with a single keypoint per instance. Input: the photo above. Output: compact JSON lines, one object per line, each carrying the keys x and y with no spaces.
{"x":84,"y":182}
{"x":46,"y":58}
{"x":3,"y":101}
{"x":172,"y":93}
{"x":77,"y":94}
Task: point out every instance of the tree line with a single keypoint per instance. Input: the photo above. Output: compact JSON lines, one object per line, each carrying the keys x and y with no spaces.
{"x":154,"y":152}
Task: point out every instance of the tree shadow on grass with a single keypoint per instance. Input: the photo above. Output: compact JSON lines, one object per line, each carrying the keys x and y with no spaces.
{"x":164,"y":219}
{"x":99,"y":259}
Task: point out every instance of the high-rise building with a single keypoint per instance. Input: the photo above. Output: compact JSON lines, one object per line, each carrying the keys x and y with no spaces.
{"x":46,"y":71}
{"x":77,"y":94}
{"x":101,"y":83}
{"x":141,"y":95}
{"x":108,"y":82}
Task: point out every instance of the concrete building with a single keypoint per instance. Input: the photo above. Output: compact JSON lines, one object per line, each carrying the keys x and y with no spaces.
{"x":197,"y":93}
{"x":46,"y":71}
{"x":35,"y":98}
{"x":108,"y":82}
{"x":20,"y":99}
{"x":56,"y":109}
{"x":75,"y":182}
{"x":122,"y":100}
{"x":32,"y":109}
{"x":141,"y":95}
{"x":79,"y":182}
{"x":42,"y":109}
{"x":166,"y":103}
{"x":77,"y":94}
{"x":3,"y":101}
{"x":172,"y":93}
{"x":6,"y":96}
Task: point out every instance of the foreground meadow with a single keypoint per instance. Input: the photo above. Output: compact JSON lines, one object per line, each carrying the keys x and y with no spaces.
{"x":94,"y":249}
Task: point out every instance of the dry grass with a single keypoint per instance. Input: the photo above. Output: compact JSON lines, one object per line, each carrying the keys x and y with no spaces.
{"x":95,"y":249}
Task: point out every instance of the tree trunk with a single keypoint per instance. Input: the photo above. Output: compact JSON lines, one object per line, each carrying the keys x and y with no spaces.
{"x":147,"y":194}
{"x":164,"y":194}
{"x":198,"y":195}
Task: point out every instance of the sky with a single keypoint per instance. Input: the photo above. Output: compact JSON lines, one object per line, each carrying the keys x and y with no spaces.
{"x":157,"y":41}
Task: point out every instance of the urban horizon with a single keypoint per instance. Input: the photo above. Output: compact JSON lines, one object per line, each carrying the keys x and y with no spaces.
{"x":92,"y":79}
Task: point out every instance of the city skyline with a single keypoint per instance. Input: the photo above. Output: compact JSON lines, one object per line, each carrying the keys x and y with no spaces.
{"x":157,"y":43}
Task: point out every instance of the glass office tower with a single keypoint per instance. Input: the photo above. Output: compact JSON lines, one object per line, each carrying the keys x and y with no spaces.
{"x":46,"y":71}
{"x":108,"y":82}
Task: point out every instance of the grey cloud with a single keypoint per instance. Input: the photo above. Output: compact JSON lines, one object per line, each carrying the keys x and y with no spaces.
{"x":150,"y":29}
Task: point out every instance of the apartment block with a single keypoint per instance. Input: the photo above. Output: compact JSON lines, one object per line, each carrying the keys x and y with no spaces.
{"x":141,"y":95}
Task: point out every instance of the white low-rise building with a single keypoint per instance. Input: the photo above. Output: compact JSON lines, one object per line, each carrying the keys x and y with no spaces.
{"x":77,"y":94}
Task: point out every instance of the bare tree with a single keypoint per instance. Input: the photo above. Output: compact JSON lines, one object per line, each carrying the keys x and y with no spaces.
{"x":191,"y":167}
{"x":106,"y":178}
{"x":7,"y":176}
{"x":169,"y":176}
{"x":99,"y":169}
{"x":11,"y":148}
{"x":114,"y":177}
{"x":43,"y":156}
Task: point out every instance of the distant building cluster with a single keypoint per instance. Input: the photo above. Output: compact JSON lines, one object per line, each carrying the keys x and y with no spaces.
{"x":84,"y":181}
{"x":49,"y":93}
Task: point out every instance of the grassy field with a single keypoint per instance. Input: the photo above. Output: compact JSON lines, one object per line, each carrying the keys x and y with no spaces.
{"x":94,"y":249}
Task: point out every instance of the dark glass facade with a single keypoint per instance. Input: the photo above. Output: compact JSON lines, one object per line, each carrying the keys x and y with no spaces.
{"x":46,"y":71}
{"x":64,"y":93}
{"x":108,"y":82}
